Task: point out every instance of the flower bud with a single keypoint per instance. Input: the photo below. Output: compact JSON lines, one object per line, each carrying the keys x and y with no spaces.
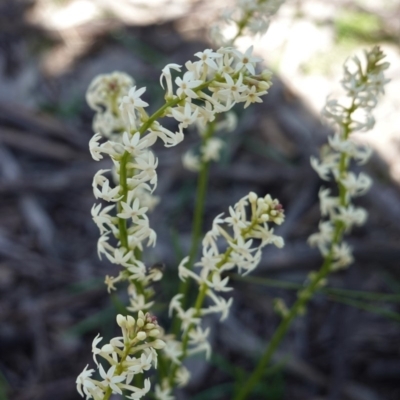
{"x":158,"y":344}
{"x":121,"y":321}
{"x":266,"y":75}
{"x":252,"y":197}
{"x":264,"y":85}
{"x":130,"y":321}
{"x":154,"y":332}
{"x":141,"y":335}
{"x":140,"y":322}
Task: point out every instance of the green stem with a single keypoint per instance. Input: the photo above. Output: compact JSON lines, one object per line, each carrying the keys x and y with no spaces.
{"x":123,"y":233}
{"x":107,"y":394}
{"x":196,"y":234}
{"x":283,"y":327}
{"x":198,"y":216}
{"x":168,"y":104}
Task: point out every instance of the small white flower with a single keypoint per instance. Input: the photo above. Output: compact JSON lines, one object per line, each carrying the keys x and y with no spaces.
{"x":220,"y":305}
{"x":120,"y":257}
{"x":145,"y":363}
{"x":243,"y":246}
{"x":134,"y":97}
{"x":340,"y":145}
{"x":182,"y":376}
{"x":203,"y":347}
{"x":218,"y":284}
{"x":184,"y":273}
{"x":110,"y":281}
{"x":106,"y":193}
{"x":95,"y":148}
{"x":231,"y":89}
{"x":323,"y":170}
{"x":110,"y":379}
{"x":147,"y":163}
{"x":96,"y":350}
{"x":342,"y":256}
{"x":207,"y":57}
{"x":139,"y":303}
{"x":235,"y":219}
{"x":186,"y":85}
{"x":130,"y":104}
{"x":247,"y":60}
{"x":164,"y":392}
{"x":133,"y":211}
{"x":190,"y":161}
{"x":362,"y":154}
{"x":175,"y":304}
{"x":356,"y":185}
{"x":185,"y":115}
{"x":166,"y":74}
{"x":328,"y":204}
{"x":198,"y":335}
{"x":169,"y":138}
{"x":134,"y":144}
{"x":103,"y":247}
{"x":252,"y":96}
{"x":189,"y":318}
{"x":83,"y":382}
{"x":352,"y":216}
{"x":138,"y":393}
{"x":208,"y":261}
{"x":324,"y":236}
{"x":211,"y":149}
{"x":173,"y":351}
{"x":229,"y":123}
{"x":100,"y":217}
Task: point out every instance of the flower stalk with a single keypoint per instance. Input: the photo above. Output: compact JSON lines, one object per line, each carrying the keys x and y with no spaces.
{"x":362,"y":86}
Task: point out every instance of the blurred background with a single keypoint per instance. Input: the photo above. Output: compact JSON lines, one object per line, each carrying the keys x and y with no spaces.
{"x":52,"y":297}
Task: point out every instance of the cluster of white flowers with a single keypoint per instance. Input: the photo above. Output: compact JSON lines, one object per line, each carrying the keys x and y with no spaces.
{"x":129,"y":186}
{"x":211,"y":85}
{"x":104,"y":95}
{"x":235,"y":81}
{"x":218,"y":80}
{"x":362,"y":83}
{"x":246,"y":232}
{"x":125,"y":132}
{"x":247,"y":17}
{"x":128,"y":355}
